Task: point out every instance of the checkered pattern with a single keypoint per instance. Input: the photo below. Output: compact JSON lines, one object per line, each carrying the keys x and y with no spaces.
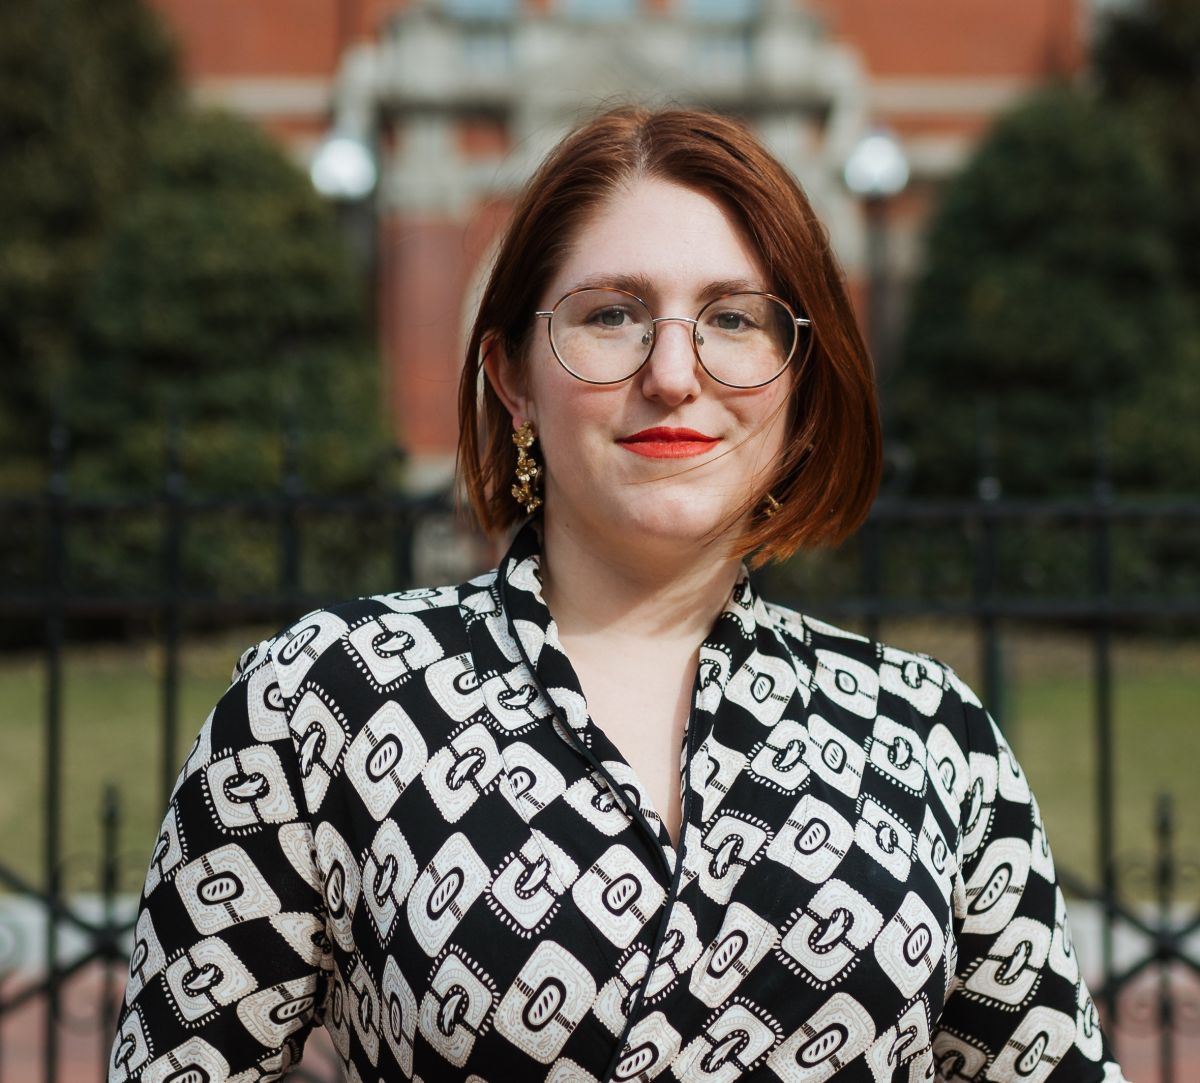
{"x":400,"y":823}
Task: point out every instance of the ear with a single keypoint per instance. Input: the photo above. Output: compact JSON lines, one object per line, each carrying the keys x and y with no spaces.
{"x":506,"y":378}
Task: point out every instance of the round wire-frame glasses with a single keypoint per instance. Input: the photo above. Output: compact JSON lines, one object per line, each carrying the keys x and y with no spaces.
{"x":648,"y":339}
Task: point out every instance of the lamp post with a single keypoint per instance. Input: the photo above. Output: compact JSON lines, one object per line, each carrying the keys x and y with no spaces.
{"x":877,"y":171}
{"x":343,"y":170}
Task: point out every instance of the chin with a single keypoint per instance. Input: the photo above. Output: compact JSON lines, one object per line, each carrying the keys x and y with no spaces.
{"x":680,"y":521}
{"x":625,"y":518}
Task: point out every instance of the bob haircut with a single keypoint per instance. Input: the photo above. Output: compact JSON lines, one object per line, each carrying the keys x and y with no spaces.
{"x":829,"y":472}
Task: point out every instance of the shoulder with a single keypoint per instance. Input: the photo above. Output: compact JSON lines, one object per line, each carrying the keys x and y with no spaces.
{"x":877,"y":681}
{"x":882,"y":667}
{"x":381,"y":636}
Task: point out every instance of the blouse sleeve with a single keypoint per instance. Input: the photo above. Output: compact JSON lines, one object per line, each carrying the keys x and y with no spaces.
{"x":228,"y":967}
{"x":1018,"y":1008}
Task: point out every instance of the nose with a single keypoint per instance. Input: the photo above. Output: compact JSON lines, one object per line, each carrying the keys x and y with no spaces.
{"x":672,"y":371}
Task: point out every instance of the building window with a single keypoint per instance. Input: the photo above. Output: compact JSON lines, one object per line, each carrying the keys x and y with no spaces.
{"x":487,"y":50}
{"x":724,"y":54}
{"x":600,"y":10}
{"x":718,"y":11}
{"x":481,"y":137}
{"x":480,"y":9}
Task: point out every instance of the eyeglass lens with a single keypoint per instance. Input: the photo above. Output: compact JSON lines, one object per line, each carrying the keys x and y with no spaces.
{"x":604,"y":336}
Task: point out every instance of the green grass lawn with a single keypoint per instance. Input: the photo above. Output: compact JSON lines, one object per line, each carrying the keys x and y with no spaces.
{"x":1048,"y":713}
{"x":112,"y":700}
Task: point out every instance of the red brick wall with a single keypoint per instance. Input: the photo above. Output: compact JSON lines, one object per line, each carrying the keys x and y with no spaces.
{"x":981,"y":38}
{"x":422,"y":278}
{"x":976,"y":38}
{"x":266,"y":37}
{"x":426,"y":268}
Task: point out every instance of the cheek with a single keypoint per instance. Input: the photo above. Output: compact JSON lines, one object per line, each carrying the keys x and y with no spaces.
{"x":573,"y":425}
{"x":769,"y":441}
{"x":563,"y":404}
{"x":769,"y":418}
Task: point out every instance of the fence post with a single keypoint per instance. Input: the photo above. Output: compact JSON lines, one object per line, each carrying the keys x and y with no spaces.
{"x":987,"y":491}
{"x":403,"y":522}
{"x":1165,"y":884}
{"x":110,"y":812}
{"x":1101,"y":576}
{"x":291,"y":490}
{"x":172,"y":588}
{"x":56,"y":560}
{"x":870,"y":549}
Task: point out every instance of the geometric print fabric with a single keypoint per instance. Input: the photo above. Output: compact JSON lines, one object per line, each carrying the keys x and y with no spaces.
{"x":400,"y":823}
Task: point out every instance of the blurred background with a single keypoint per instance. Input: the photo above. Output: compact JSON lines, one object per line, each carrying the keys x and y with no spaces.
{"x":239,"y":253}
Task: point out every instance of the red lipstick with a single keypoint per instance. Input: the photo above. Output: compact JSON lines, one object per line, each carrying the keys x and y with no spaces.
{"x":665,"y":443}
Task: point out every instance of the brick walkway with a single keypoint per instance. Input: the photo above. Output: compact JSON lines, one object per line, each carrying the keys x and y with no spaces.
{"x":83,"y":1046}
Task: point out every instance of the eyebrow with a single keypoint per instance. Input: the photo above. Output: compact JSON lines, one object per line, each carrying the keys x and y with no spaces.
{"x":641,"y":286}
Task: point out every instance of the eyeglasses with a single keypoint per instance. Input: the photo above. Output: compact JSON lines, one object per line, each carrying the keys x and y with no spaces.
{"x":604,"y":336}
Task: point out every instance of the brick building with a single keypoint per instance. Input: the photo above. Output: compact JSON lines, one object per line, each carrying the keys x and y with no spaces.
{"x":460,"y":98}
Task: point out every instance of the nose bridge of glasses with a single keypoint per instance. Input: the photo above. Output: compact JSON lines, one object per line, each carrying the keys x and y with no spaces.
{"x":693,"y":328}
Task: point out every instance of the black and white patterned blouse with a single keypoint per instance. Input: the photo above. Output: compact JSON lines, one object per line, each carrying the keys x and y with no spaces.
{"x":400,"y":822}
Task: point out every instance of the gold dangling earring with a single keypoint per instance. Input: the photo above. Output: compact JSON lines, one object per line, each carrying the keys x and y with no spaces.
{"x":771,"y":507}
{"x":528,"y":470}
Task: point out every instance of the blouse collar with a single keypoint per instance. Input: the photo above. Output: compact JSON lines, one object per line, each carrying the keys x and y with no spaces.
{"x":741,"y":629}
{"x":728,"y":644}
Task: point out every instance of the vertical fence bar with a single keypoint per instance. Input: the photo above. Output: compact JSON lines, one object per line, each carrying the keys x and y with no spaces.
{"x":291,"y":490}
{"x":109,"y":816}
{"x":404,"y":520}
{"x":1165,"y":884}
{"x":56,"y":557}
{"x":171,"y":604}
{"x":1101,"y":584}
{"x":401,"y":551}
{"x":986,"y":565}
{"x":871,"y":563}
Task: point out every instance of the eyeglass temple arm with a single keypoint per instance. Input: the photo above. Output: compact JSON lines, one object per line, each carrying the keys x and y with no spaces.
{"x":800,"y":320}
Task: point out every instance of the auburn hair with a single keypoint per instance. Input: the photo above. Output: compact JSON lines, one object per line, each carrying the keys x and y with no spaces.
{"x":828,"y":475}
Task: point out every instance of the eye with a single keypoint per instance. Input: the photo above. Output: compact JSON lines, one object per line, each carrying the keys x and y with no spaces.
{"x":610,"y":316}
{"x":731,"y":319}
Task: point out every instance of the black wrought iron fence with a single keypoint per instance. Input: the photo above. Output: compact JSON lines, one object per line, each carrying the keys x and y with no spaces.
{"x":86,"y":943}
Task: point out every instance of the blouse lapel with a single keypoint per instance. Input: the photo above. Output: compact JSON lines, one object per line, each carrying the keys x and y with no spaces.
{"x":735,"y":638}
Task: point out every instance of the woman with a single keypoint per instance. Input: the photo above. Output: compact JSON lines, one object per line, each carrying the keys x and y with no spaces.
{"x":672,"y":830}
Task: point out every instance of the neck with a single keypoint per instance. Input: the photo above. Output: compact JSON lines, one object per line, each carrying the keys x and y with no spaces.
{"x":596,"y":591}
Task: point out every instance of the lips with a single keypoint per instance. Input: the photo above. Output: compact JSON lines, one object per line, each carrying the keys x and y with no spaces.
{"x":665,"y":443}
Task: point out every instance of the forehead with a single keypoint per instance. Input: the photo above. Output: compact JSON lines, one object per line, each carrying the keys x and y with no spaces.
{"x":677,"y":239}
